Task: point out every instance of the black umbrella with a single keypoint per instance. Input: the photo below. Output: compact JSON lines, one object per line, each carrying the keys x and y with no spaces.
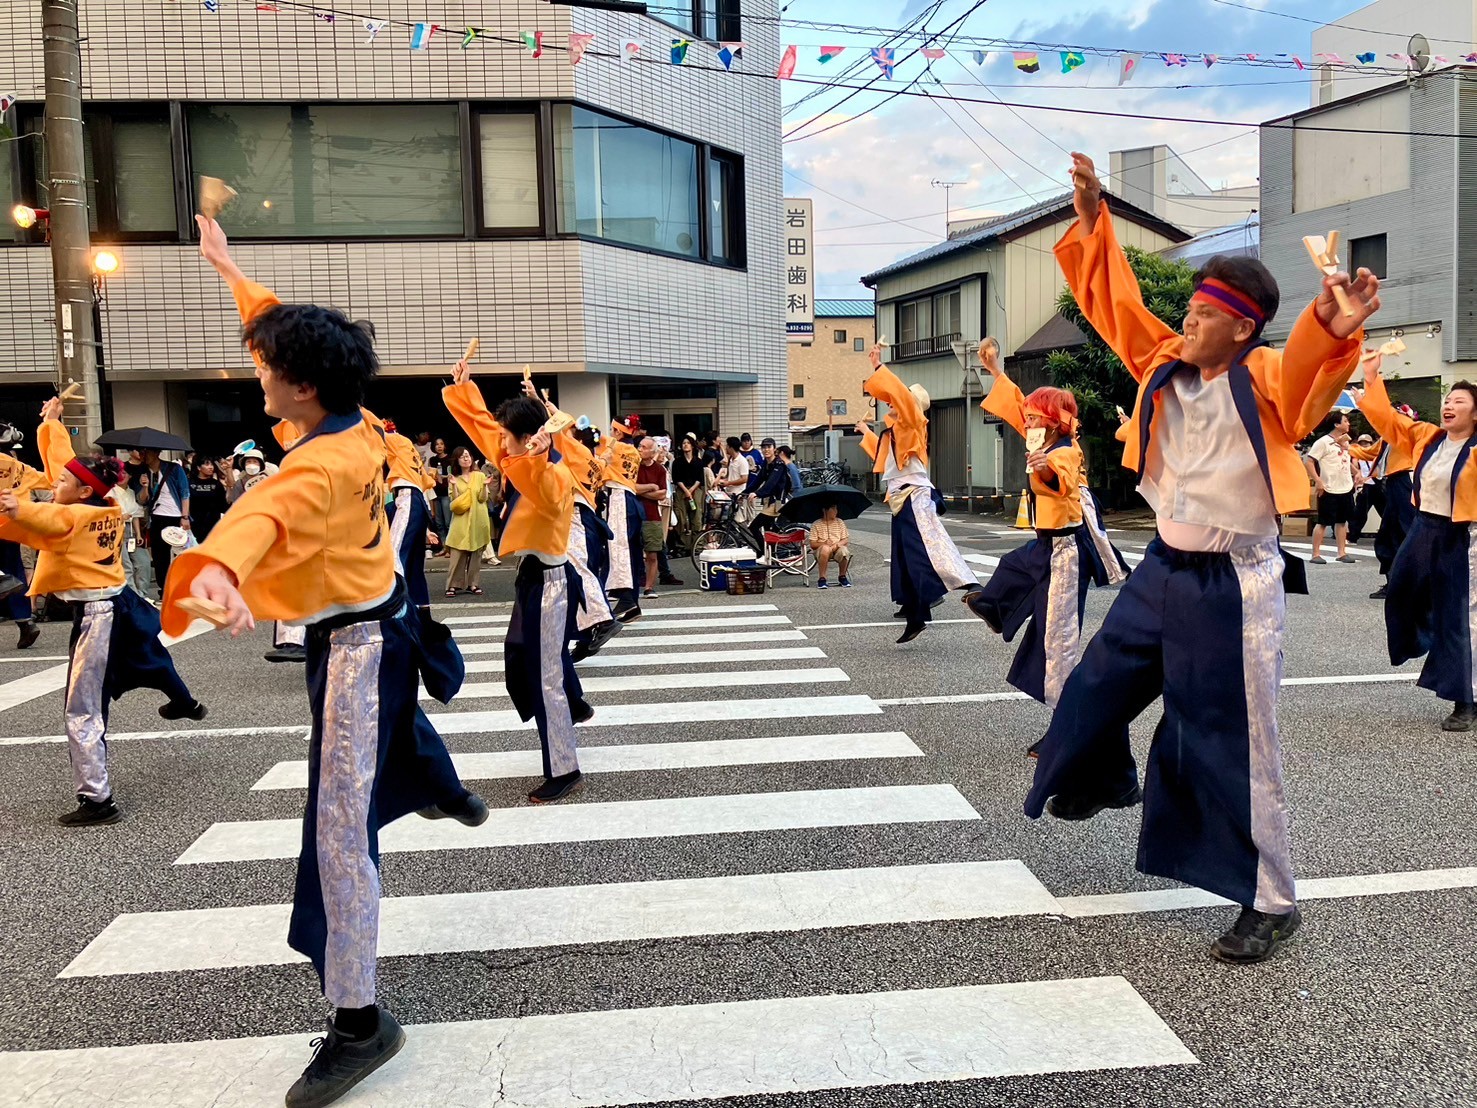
{"x":141,"y":438}
{"x":807,"y":505}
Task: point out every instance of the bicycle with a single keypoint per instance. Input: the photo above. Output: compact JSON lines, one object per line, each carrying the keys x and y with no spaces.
{"x":722,"y":532}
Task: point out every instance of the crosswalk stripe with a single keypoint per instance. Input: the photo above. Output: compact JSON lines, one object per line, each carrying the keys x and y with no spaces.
{"x":253,"y":840}
{"x":644,"y":624}
{"x":676,"y":658}
{"x":621,"y":644}
{"x":23,"y":690}
{"x":646,"y":1055}
{"x":649,"y":612}
{"x":1330,"y":549}
{"x":656,"y":756}
{"x":256,"y":935}
{"x":714,"y":679}
{"x":671,"y":711}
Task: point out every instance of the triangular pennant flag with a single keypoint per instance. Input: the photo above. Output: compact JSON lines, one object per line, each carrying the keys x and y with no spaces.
{"x":1251,"y":57}
{"x":679,"y":50}
{"x":578,"y":44}
{"x":7,"y":101}
{"x":728,"y":51}
{"x":373,"y":27}
{"x":1297,"y":61}
{"x":268,"y":8}
{"x":1071,"y":59}
{"x":1333,"y":59}
{"x":1175,"y":59}
{"x":980,"y":56}
{"x":629,"y":49}
{"x":470,"y":36}
{"x":1470,"y":59}
{"x":533,"y":42}
{"x":1368,"y":57}
{"x":211,"y":6}
{"x":1128,"y":65}
{"x":1027,"y":61}
{"x":1440,"y":59}
{"x":327,"y":17}
{"x":829,"y":52}
{"x":882,"y":55}
{"x":1210,"y":60}
{"x":787,"y":64}
{"x":421,"y":34}
{"x":933,"y":53}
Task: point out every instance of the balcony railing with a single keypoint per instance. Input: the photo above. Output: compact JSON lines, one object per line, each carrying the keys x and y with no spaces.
{"x":926,"y":348}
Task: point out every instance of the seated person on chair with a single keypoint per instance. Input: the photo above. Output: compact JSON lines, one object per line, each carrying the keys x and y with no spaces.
{"x":829,"y":538}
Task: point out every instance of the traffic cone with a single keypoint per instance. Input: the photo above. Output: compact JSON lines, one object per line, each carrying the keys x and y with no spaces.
{"x":1023,"y":513}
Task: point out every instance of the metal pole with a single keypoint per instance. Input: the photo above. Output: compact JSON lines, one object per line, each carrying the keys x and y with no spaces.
{"x":66,"y":185}
{"x":968,"y":433}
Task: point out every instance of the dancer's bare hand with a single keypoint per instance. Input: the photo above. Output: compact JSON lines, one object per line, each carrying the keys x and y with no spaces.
{"x":874,"y":355}
{"x":52,"y":409}
{"x":1087,"y":190}
{"x":1363,"y":291}
{"x":539,"y":442}
{"x":217,"y":584}
{"x":9,"y":505}
{"x":461,"y":373}
{"x":990,"y":356}
{"x":862,"y":427}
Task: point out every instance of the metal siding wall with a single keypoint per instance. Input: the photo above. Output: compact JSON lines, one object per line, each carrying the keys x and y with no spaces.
{"x":946,"y":428}
{"x":1461,"y":337}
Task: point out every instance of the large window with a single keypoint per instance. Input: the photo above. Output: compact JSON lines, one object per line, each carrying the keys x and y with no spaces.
{"x":318,"y":170}
{"x":928,"y":325}
{"x":716,"y":20}
{"x":508,"y":151}
{"x":726,"y":208}
{"x":128,"y":159}
{"x":1370,"y":252}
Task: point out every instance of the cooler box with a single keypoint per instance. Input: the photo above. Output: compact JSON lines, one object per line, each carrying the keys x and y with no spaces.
{"x":712,"y":575}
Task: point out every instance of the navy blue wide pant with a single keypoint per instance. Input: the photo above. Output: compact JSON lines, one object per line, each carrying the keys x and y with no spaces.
{"x":373,"y":757}
{"x":1396,"y":517}
{"x":537,"y":669}
{"x":1428,"y":607}
{"x":1205,"y":631}
{"x":17,"y":605}
{"x":926,"y":565}
{"x":409,"y":520}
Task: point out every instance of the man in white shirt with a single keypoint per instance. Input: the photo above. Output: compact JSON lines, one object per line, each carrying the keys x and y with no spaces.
{"x":1332,"y":471}
{"x":733,"y":476}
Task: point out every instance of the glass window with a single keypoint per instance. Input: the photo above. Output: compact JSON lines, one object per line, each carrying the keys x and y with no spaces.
{"x":799,"y":392}
{"x":9,"y":193}
{"x":43,"y":189}
{"x":859,"y":345}
{"x":509,"y":169}
{"x":838,"y":336}
{"x":142,"y":174}
{"x":1370,"y":252}
{"x":946,"y":314}
{"x":628,"y":184}
{"x":725,"y":209}
{"x":330,"y":170}
{"x":720,"y":20}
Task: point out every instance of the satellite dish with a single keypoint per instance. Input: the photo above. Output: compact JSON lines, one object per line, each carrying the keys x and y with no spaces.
{"x":1420,"y":53}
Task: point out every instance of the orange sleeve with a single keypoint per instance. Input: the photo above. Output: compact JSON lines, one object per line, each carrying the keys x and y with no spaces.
{"x":20,"y":478}
{"x":1365,"y":453}
{"x":1067,"y":466}
{"x":1314,"y":368}
{"x":1122,"y":433}
{"x":1394,"y":427}
{"x":534,"y":477}
{"x":467,"y":407}
{"x":40,"y":526}
{"x":1107,"y":291}
{"x":252,"y":299}
{"x":887,"y":387}
{"x":55,"y":443}
{"x":1006,"y":400}
{"x":869,"y":443}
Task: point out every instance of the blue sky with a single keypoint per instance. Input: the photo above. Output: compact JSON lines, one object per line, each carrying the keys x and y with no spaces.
{"x":870,"y":178}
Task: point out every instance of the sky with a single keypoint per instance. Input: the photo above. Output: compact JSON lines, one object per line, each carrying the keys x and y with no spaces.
{"x":870,"y":177}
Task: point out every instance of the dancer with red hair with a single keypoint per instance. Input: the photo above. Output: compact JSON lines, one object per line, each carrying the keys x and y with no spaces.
{"x":1041,"y":587}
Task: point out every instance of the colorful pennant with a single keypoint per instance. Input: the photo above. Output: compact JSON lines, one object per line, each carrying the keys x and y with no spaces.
{"x":211,"y":6}
{"x":679,"y":50}
{"x":980,"y":56}
{"x":630,"y":48}
{"x":728,"y":51}
{"x":1175,"y":59}
{"x":1128,"y":65}
{"x":933,"y":53}
{"x":1071,"y":59}
{"x":373,"y":27}
{"x":578,"y":44}
{"x":7,"y":101}
{"x":533,"y":42}
{"x":470,"y":36}
{"x":1210,"y":60}
{"x":829,"y":52}
{"x":420,"y":35}
{"x":1027,"y":61}
{"x":1297,"y":61}
{"x":882,"y":55}
{"x":787,"y":64}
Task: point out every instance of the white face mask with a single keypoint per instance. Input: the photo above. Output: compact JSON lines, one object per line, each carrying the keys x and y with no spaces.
{"x":253,"y":469}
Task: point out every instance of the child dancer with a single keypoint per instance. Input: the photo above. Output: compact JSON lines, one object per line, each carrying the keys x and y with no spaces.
{"x":536,"y":526}
{"x":410,"y":519}
{"x":925,"y":562}
{"x":310,"y":546}
{"x":1046,"y":580}
{"x":1429,"y":608}
{"x":623,"y":514}
{"x":115,"y":633}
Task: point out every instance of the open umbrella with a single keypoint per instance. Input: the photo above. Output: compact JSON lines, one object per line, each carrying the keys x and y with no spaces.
{"x":141,"y":438}
{"x":1345,"y":402}
{"x":807,"y":504}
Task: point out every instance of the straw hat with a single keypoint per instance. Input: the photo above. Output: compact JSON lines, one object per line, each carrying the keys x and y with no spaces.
{"x":920,"y":394}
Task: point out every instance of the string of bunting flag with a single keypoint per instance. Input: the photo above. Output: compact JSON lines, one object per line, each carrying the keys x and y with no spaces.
{"x":1028,"y":58}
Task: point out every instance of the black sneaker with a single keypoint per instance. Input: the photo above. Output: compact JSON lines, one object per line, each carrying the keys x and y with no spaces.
{"x":341,"y":1063}
{"x":192,"y":709}
{"x":555,"y":788}
{"x":629,"y":615}
{"x":468,"y":809}
{"x":10,"y":584}
{"x":1463,"y":717}
{"x":1075,"y":808}
{"x":580,"y":652}
{"x":901,"y":613}
{"x":603,"y":633}
{"x":1255,"y":936}
{"x":581,"y":712}
{"x":29,"y":634}
{"x":290,"y":653}
{"x":91,"y":813}
{"x":1379,"y":593}
{"x":911,"y":632}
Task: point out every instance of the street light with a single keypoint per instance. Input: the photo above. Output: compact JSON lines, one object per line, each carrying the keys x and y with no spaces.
{"x":26,"y":217}
{"x":105,"y":263}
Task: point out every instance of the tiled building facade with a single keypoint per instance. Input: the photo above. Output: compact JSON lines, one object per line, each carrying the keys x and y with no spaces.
{"x":614,"y":225}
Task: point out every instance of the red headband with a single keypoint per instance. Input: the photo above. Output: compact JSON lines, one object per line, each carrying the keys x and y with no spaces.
{"x":87,"y":477}
{"x":1229,"y":300}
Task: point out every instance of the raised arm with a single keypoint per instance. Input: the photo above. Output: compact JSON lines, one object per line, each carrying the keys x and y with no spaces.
{"x":1104,"y":284}
{"x":535,"y":475}
{"x":39,"y":526}
{"x":53,"y":440}
{"x":1006,"y":400}
{"x":1395,"y":428}
{"x":464,"y":401}
{"x":886,"y":386}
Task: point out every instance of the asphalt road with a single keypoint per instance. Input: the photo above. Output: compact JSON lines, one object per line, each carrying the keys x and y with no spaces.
{"x":1373,"y":1004}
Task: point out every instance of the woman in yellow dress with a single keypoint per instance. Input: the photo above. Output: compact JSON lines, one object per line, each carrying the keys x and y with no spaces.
{"x":471,"y":524}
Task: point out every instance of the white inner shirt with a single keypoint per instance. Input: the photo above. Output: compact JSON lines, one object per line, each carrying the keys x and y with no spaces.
{"x":1333,"y":464}
{"x":1201,"y":475}
{"x":895,"y":476}
{"x":166,"y":505}
{"x":1436,"y":477}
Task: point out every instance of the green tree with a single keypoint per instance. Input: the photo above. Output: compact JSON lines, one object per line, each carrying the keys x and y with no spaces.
{"x":1093,"y":372}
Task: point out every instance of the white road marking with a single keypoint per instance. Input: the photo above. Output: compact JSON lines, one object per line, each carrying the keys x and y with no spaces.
{"x":627,"y":911}
{"x":1329,"y":549}
{"x":645,"y":624}
{"x":657,"y":756}
{"x":649,"y":613}
{"x":645,"y":1055}
{"x":961,"y":698}
{"x":638,"y":683}
{"x":253,"y":840}
{"x":645,"y":642}
{"x":882,"y":623}
{"x":984,"y":698}
{"x":676,"y":658}
{"x":36,"y":658}
{"x":25,"y":689}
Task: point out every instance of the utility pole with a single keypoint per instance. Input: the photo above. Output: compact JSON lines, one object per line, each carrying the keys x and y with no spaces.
{"x":66,"y":185}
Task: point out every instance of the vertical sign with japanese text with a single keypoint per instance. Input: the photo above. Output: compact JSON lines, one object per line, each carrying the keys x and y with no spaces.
{"x":799,"y":271}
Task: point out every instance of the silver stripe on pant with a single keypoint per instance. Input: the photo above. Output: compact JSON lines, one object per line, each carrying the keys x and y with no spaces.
{"x":1263,"y":610}
{"x":399,"y":525}
{"x":285,"y":634}
{"x":553,"y":619}
{"x":87,"y":734}
{"x":1472,"y":608}
{"x":943,"y":555}
{"x":1062,"y":635}
{"x":596,"y":609}
{"x":1100,"y":539}
{"x":620,"y":547}
{"x":348,"y":759}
